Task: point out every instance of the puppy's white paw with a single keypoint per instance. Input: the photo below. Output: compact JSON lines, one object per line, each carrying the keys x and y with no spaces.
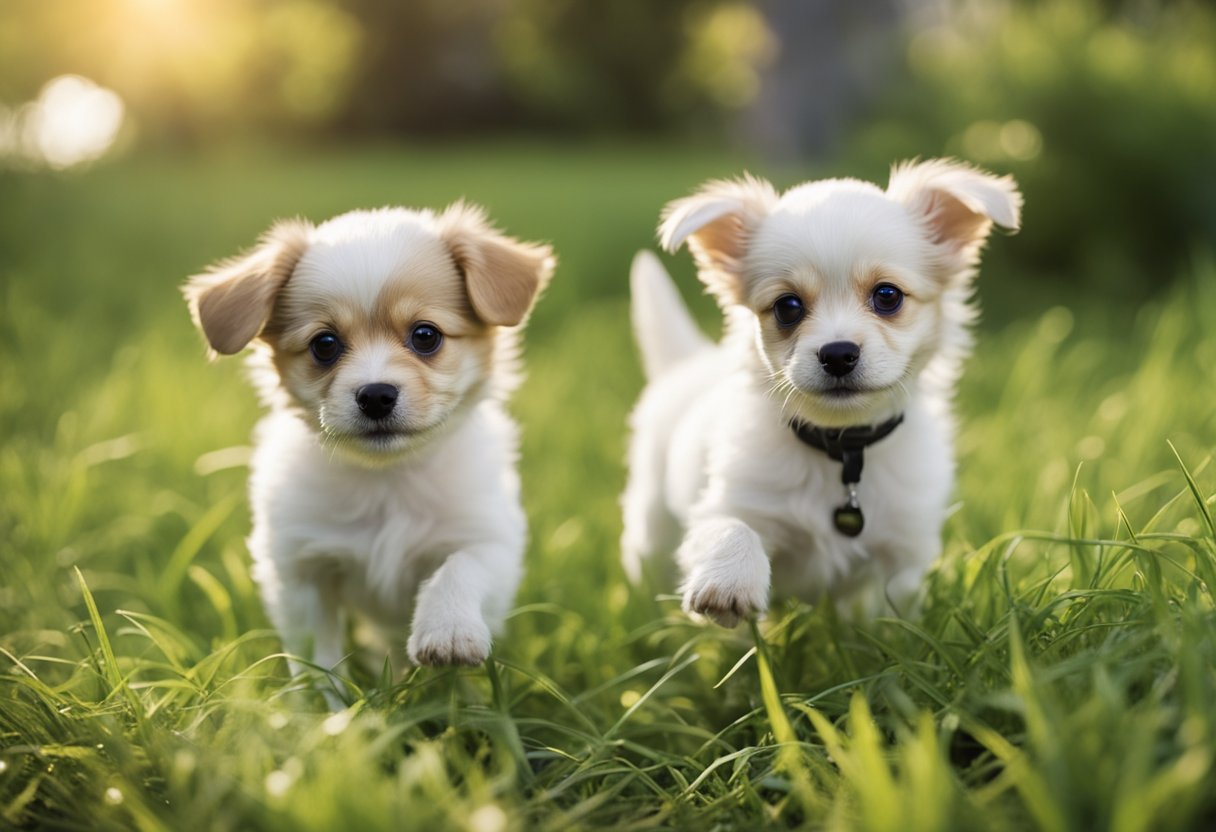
{"x":726,"y":602}
{"x":728,"y":572}
{"x":449,"y":639}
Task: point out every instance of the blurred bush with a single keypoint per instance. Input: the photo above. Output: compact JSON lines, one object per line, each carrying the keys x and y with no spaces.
{"x":1105,"y":114}
{"x":1104,"y":110}
{"x":628,"y":65}
{"x":200,"y":69}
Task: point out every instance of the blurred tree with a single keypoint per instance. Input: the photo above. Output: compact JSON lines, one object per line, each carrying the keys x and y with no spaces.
{"x":199,"y":68}
{"x":836,"y":58}
{"x":1105,"y":110}
{"x":633,"y":64}
{"x":728,"y":47}
{"x":1105,"y":113}
{"x":591,"y":63}
{"x":426,"y":66}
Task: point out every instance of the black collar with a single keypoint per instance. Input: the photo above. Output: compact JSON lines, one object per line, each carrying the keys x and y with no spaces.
{"x":846,"y":446}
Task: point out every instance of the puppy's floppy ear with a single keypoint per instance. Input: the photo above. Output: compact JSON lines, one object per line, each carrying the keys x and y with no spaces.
{"x":232,"y":300}
{"x":716,"y":222}
{"x":502,"y":275}
{"x":957,"y":203}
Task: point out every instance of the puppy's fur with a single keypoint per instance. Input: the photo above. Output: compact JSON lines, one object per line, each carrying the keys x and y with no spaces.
{"x":416,"y":512}
{"x":716,"y":472}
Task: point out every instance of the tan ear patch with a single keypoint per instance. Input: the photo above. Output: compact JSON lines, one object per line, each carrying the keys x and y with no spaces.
{"x":716,"y":223}
{"x":232,"y":300}
{"x":502,"y":276}
{"x":952,"y":222}
{"x":957,"y":203}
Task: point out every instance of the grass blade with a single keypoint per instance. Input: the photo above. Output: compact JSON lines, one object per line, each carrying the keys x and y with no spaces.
{"x":109,"y":668}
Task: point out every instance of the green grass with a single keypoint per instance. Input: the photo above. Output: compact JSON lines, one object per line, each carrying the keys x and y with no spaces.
{"x":1061,"y":675}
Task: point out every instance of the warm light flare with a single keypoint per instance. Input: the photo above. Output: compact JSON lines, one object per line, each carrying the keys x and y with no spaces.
{"x":72,"y":121}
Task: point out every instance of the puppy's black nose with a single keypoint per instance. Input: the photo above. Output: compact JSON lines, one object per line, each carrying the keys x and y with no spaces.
{"x":839,"y":357}
{"x":376,"y":400}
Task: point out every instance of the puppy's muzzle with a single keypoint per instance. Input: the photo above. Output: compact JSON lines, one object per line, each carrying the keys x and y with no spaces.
{"x":839,"y":357}
{"x":376,"y":401}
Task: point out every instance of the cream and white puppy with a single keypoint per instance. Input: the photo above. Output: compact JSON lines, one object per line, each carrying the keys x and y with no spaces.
{"x":846,"y":309}
{"x":384,"y":479}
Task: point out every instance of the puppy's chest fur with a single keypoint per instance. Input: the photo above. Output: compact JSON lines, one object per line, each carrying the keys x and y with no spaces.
{"x":373,"y":535}
{"x":756,"y":469}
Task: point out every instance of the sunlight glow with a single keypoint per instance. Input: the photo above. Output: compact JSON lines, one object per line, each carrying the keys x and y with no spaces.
{"x":72,"y":121}
{"x":278,"y":782}
{"x":488,"y":818}
{"x":75,"y":121}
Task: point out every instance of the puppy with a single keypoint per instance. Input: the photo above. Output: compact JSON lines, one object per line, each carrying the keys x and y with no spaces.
{"x":812,"y":447}
{"x":384,"y":479}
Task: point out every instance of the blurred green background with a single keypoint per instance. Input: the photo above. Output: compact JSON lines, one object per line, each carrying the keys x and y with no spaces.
{"x":142,"y":139}
{"x":1104,"y":110}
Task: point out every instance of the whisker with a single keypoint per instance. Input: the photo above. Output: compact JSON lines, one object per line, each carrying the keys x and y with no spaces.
{"x":778,"y":385}
{"x":788,"y":398}
{"x":775,"y":389}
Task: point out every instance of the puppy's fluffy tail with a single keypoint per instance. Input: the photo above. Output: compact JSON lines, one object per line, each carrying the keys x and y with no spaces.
{"x":662,"y":325}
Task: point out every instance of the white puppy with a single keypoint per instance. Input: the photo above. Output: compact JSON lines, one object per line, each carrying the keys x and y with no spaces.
{"x":384,"y":475}
{"x":847,"y":319}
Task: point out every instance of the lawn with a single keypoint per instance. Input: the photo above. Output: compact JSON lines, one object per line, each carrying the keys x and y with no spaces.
{"x":1061,"y":674}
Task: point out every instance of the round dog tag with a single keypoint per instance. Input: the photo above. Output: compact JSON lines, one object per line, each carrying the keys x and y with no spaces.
{"x":849,"y":520}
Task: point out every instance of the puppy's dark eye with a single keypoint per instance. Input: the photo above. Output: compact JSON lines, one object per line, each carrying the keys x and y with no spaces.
{"x":425,"y":339}
{"x":326,"y":348}
{"x":788,"y":310}
{"x":886,"y":299}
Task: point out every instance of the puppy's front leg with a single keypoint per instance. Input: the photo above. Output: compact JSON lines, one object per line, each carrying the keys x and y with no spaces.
{"x":726,"y":570}
{"x":450,"y":616}
{"x":310,"y":623}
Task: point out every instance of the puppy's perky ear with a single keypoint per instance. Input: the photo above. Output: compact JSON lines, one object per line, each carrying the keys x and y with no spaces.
{"x":957,"y":203}
{"x":502,"y":275}
{"x":231,"y":301}
{"x":717,"y":222}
